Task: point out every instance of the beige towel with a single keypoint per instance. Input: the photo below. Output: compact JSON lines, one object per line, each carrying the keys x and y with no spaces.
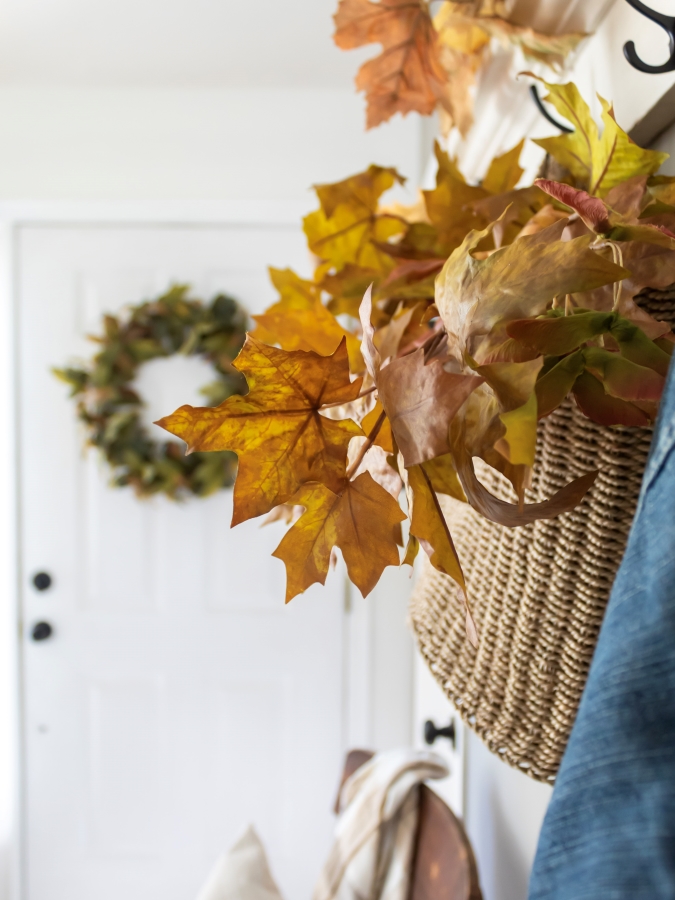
{"x":375,"y":834}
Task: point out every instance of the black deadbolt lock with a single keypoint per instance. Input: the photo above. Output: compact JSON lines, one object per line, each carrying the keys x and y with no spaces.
{"x":42,"y":581}
{"x":431,"y":732}
{"x":41,"y":631}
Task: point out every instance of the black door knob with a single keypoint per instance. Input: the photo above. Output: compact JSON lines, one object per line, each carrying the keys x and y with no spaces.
{"x":41,"y":631}
{"x":431,"y":732}
{"x":42,"y":581}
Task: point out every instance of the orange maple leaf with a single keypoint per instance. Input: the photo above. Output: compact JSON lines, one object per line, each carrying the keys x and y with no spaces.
{"x":276,"y":429}
{"x":407,"y":76}
{"x":361,"y":518}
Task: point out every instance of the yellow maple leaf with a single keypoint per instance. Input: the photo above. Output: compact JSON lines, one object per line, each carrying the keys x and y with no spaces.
{"x":429,"y":526}
{"x":520,"y":438}
{"x":384,"y":437}
{"x":351,"y":235}
{"x":504,"y":171}
{"x":361,"y":518}
{"x":450,"y":203}
{"x":599,"y":163}
{"x":443,"y":476}
{"x":277,"y":429}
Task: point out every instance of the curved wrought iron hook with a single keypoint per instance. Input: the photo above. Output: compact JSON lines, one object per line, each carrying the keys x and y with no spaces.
{"x":545,"y":113}
{"x":668,"y":25}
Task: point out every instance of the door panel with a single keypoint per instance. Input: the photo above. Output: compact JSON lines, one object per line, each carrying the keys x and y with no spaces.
{"x":178,"y":699}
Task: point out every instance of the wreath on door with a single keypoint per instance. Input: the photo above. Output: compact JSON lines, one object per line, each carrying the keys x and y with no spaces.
{"x":109,"y":405}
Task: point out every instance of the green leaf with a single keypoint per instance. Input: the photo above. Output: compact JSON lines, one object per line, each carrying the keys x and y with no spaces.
{"x":558,"y":335}
{"x":557,"y":382}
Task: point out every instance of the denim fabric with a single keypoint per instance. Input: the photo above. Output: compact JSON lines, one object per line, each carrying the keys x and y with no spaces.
{"x":609,"y":831}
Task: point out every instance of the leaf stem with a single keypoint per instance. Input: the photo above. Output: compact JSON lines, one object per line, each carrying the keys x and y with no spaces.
{"x":367,"y":445}
{"x":342,"y":402}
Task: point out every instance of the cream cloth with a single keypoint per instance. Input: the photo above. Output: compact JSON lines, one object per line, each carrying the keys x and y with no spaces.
{"x":242,"y":873}
{"x":375,"y":833}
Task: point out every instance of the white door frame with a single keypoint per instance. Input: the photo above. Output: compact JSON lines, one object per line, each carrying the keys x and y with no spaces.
{"x":14,"y":215}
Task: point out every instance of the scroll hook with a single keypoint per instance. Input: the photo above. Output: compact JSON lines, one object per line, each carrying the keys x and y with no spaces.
{"x":668,"y":25}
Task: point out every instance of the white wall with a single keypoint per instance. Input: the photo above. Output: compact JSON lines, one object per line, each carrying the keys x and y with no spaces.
{"x":193,"y":144}
{"x":504,"y":812}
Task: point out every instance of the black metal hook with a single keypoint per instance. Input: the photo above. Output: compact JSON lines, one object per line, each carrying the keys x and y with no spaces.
{"x":545,"y":113}
{"x":668,"y":25}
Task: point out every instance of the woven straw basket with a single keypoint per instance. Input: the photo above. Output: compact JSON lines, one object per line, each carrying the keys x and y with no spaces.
{"x":538,"y":592}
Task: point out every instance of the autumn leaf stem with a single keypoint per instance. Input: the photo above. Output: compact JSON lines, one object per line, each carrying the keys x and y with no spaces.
{"x":342,"y":402}
{"x":367,"y":445}
{"x":617,"y":256}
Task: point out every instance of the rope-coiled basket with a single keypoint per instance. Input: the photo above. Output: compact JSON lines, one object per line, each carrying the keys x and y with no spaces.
{"x":538,"y":592}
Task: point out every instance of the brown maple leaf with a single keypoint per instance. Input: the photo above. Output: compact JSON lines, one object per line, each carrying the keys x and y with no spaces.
{"x":361,"y":518}
{"x":277,"y":430}
{"x":407,"y":76}
{"x":421,"y":400}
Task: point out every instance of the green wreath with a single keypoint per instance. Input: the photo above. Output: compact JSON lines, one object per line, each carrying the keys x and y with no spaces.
{"x":110,"y":407}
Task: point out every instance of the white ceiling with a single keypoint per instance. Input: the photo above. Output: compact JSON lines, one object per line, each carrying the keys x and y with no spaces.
{"x":188,"y":43}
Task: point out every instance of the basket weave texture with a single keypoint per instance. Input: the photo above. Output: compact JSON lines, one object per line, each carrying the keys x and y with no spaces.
{"x":538,"y":592}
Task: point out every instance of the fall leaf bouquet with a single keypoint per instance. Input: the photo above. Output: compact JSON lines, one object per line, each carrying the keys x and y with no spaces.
{"x":434,"y":334}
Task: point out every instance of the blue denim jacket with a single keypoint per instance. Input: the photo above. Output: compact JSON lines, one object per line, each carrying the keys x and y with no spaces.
{"x":609,"y":832}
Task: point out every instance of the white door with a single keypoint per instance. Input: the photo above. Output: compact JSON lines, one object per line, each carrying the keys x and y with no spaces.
{"x":432,"y":706}
{"x":177,"y":699}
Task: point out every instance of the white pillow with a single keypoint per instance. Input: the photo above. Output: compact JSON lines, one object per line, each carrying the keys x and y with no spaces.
{"x":242,"y":873}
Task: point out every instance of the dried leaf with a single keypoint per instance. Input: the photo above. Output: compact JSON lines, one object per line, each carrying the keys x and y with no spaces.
{"x":276,"y":429}
{"x":429,"y":526}
{"x":556,"y":335}
{"x":474,"y":296}
{"x":512,"y":382}
{"x":360,"y":518}
{"x":592,"y":210}
{"x":420,"y":401}
{"x":509,"y":514}
{"x":595,"y":403}
{"x":622,"y":378}
{"x":407,"y":76}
